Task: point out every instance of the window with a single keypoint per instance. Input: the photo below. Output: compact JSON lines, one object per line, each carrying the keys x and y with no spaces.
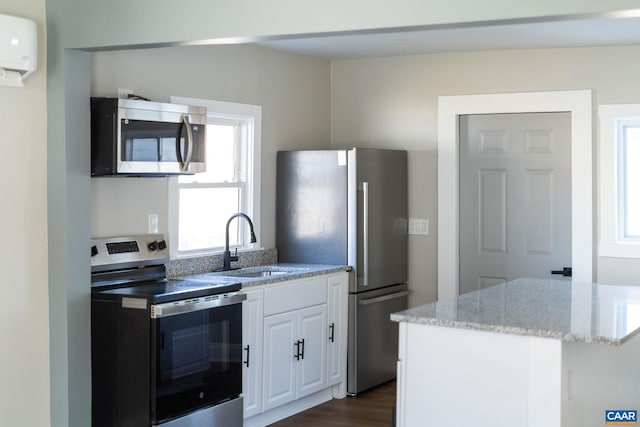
{"x":628,"y":150}
{"x":620,"y":180}
{"x":201,"y":204}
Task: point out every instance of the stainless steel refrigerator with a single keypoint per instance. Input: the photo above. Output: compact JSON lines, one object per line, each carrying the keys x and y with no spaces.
{"x":349,"y":207}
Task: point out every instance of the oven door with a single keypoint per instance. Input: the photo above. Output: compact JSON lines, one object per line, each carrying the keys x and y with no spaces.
{"x":196,"y":355}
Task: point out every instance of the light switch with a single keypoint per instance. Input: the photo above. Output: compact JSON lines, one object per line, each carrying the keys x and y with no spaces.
{"x":153,"y":223}
{"x":419,"y":226}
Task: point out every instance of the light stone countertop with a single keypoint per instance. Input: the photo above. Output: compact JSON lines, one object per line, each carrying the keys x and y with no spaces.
{"x":559,"y":309}
{"x":292,"y":271}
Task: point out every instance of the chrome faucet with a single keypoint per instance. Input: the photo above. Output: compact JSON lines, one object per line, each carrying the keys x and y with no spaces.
{"x":227,"y":257}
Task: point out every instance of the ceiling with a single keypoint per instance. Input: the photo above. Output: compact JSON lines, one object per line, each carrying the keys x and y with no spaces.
{"x":622,"y":29}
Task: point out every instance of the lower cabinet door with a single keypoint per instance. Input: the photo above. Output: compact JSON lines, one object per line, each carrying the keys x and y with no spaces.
{"x":279,"y":368}
{"x":252,"y":319}
{"x":295,"y":362}
{"x":312,"y":365}
{"x":337,"y":293}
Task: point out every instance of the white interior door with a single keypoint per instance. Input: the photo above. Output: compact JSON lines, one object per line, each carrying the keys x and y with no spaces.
{"x":515,"y":197}
{"x":579,"y":103}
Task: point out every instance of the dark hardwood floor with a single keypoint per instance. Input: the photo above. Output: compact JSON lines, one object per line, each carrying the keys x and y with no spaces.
{"x":372,"y":408}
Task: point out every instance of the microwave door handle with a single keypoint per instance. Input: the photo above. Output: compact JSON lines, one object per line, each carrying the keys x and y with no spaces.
{"x":178,"y":148}
{"x":189,"y":152}
{"x":184,"y":163}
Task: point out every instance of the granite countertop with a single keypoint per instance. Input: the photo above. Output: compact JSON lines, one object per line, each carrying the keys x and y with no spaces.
{"x":573,"y":312}
{"x":289,"y":271}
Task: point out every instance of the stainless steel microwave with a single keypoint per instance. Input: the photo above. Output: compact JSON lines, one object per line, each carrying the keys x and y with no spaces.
{"x":133,"y":137}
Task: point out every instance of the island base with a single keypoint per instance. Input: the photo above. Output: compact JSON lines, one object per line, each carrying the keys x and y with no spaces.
{"x":456,"y":376}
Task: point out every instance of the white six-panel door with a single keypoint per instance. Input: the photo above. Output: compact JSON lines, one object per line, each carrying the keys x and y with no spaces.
{"x":515,"y":197}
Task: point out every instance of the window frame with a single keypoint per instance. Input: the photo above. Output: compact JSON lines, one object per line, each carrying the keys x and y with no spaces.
{"x":612,"y":189}
{"x":622,"y":162}
{"x":250,"y":119}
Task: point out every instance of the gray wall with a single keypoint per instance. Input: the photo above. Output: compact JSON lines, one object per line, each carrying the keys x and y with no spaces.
{"x":392,"y":102}
{"x":94,"y":23}
{"x":293,"y":91}
{"x":24,"y":318}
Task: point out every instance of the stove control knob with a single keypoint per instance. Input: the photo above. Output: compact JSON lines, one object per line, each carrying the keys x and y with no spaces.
{"x":94,"y":250}
{"x":162,"y":245}
{"x":153,"y":246}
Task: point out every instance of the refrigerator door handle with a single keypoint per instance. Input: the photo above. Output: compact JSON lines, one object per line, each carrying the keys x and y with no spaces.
{"x":383,"y":298}
{"x":365,"y":233}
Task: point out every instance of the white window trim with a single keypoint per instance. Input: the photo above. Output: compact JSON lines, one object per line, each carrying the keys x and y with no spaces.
{"x":230,"y":110}
{"x":611,"y":245}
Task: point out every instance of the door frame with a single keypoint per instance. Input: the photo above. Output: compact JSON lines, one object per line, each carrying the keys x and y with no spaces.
{"x":579,"y":104}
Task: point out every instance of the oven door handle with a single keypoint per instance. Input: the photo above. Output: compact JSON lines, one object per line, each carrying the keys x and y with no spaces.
{"x":196,"y":304}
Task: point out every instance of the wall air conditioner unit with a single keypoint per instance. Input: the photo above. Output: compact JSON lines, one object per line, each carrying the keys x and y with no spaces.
{"x":18,"y":49}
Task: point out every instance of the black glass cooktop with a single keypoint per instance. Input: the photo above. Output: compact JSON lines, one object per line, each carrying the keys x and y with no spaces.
{"x":165,"y":290}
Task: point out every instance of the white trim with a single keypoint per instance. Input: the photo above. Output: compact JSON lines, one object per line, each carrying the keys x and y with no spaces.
{"x":254,"y":144}
{"x":610,"y":245}
{"x":579,"y":104}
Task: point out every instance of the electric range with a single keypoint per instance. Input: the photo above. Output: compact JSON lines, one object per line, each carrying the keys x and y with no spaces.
{"x":165,"y":352}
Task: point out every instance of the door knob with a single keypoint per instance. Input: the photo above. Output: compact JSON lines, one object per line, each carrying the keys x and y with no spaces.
{"x":566,"y":271}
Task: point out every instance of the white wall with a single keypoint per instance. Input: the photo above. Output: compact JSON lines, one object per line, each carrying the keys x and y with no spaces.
{"x":292,"y":89}
{"x":392,"y":102}
{"x":24,"y":318}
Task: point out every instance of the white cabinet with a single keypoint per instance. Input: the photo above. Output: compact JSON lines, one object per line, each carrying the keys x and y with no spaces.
{"x":252,"y":319}
{"x":311,"y":362}
{"x":295,"y":342}
{"x":279,"y":370}
{"x":295,"y":334}
{"x":337,"y":329}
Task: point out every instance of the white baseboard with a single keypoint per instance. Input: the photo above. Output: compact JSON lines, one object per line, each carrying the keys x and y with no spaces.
{"x":281,"y":412}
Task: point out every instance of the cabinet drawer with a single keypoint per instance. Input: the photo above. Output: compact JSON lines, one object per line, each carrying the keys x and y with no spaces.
{"x":295,"y":295}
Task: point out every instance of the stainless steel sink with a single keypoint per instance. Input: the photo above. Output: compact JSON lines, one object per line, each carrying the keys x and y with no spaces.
{"x":262,"y":271}
{"x":265,"y":273}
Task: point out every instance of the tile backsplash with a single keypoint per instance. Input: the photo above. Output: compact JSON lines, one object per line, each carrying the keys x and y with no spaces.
{"x":204,"y":264}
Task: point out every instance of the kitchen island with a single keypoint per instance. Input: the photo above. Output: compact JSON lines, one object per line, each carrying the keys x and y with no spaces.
{"x":529,"y":352}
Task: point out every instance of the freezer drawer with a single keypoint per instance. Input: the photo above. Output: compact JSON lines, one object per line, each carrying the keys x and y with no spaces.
{"x":373,"y":337}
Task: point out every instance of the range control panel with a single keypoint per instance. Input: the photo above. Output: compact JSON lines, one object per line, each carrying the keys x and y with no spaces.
{"x":110,"y":253}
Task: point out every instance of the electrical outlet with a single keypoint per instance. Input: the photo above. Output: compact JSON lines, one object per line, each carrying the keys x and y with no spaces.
{"x":124,"y":93}
{"x":153,"y":223}
{"x":419,"y":226}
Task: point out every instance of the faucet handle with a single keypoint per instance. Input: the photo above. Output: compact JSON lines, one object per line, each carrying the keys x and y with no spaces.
{"x":234,"y":257}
